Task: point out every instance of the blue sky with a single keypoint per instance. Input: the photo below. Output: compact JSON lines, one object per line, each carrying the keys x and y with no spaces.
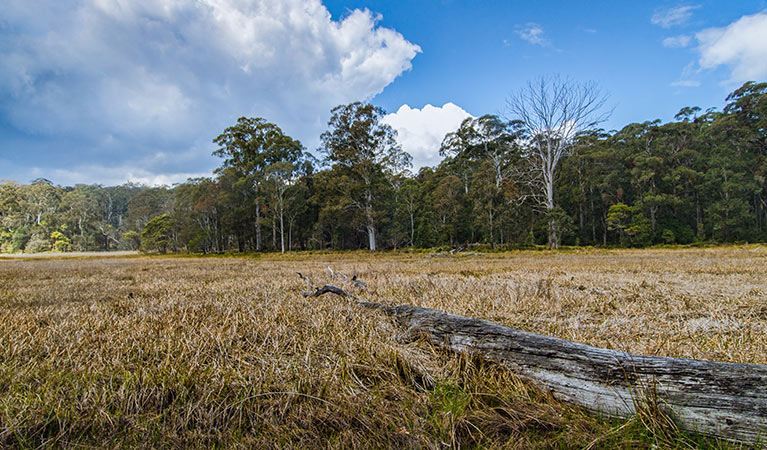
{"x":108,"y":91}
{"x":474,"y":54}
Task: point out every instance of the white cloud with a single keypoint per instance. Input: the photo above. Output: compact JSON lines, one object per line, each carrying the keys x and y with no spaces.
{"x":109,"y":176}
{"x":670,"y":17}
{"x":534,"y":34}
{"x":677,"y":41}
{"x":121,"y":81}
{"x":685,"y":83}
{"x":420,"y":131}
{"x":742,"y":46}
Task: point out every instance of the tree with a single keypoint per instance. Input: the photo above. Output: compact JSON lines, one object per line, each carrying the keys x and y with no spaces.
{"x":10,"y":212}
{"x":553,"y":112}
{"x":410,"y":192}
{"x":158,"y":234}
{"x":483,"y":138}
{"x":80,"y":209}
{"x":281,"y":177}
{"x":365,"y":150}
{"x":252,"y":145}
{"x":146,"y":204}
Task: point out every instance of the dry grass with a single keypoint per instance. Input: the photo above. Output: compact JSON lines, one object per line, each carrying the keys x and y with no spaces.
{"x":174,"y":352}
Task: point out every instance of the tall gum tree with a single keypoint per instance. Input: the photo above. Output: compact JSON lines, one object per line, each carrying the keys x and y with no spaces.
{"x":250,"y":147}
{"x":553,"y":112}
{"x":365,"y":150}
{"x":485,"y":141}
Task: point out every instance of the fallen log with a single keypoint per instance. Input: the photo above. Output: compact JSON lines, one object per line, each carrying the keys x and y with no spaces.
{"x":719,"y":399}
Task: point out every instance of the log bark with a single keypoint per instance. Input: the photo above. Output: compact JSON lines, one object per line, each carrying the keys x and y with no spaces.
{"x":719,"y":399}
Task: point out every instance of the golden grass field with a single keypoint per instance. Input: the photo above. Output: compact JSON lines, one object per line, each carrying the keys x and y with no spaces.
{"x":225,"y":352}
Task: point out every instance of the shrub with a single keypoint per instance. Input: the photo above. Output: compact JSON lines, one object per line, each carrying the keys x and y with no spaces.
{"x":37,"y":245}
{"x":61,"y":243}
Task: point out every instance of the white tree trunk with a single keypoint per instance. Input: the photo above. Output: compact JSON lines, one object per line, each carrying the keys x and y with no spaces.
{"x":282,"y":231}
{"x":370,"y":226}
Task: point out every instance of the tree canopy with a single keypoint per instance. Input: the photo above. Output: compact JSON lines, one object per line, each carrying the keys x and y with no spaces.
{"x":700,"y":178}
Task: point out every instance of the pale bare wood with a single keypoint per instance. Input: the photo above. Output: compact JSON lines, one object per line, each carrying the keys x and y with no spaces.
{"x":725,"y":400}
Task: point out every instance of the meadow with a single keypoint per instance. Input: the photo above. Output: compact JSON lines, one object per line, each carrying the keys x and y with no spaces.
{"x":162,"y":352}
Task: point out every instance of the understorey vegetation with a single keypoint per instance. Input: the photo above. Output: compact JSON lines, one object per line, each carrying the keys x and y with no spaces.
{"x":504,"y":182}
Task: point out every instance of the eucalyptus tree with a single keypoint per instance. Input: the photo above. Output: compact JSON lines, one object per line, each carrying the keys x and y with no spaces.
{"x":83,"y":209}
{"x":250,"y":147}
{"x":10,"y":213}
{"x":362,"y":148}
{"x":747,"y":111}
{"x":491,"y":146}
{"x":485,"y":138}
{"x":41,"y":199}
{"x":553,"y":111}
{"x":146,"y":204}
{"x":410,"y":193}
{"x":281,"y":178}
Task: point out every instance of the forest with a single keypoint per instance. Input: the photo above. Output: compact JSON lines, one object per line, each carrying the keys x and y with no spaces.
{"x":503,"y":183}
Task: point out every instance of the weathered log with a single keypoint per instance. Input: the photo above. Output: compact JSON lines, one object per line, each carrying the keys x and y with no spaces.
{"x":725,"y":400}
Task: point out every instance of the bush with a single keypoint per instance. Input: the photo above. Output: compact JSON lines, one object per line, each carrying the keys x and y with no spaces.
{"x":19,"y":239}
{"x":61,"y":243}
{"x":130,"y":241}
{"x":37,"y":245}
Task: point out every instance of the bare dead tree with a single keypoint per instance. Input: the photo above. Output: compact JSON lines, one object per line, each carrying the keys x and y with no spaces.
{"x":553,"y":112}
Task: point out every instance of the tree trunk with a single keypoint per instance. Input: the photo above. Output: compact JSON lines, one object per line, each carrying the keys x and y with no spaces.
{"x":371,"y":237}
{"x":274,"y":232}
{"x":371,"y":229}
{"x":699,"y":219}
{"x":553,"y":235}
{"x":491,"y":214}
{"x":282,"y":232}
{"x":553,"y":231}
{"x":412,"y":230}
{"x":258,"y":224}
{"x":724,"y":400}
{"x":290,"y":234}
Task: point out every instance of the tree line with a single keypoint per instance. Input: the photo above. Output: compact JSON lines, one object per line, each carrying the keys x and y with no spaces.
{"x":543,"y":175}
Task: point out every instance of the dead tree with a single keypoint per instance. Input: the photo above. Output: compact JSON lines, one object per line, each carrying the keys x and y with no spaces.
{"x":553,"y":111}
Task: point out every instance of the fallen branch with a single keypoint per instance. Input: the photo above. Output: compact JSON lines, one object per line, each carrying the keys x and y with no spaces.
{"x":725,"y":400}
{"x":453,"y":253}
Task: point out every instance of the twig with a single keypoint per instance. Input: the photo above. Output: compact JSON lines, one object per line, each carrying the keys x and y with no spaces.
{"x":328,"y":288}
{"x":305,"y":279}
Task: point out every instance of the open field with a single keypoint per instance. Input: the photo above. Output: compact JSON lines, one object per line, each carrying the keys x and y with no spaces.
{"x":69,"y":255}
{"x":201,"y":352}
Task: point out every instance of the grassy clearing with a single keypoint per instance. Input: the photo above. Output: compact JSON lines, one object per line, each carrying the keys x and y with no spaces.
{"x":224,"y":352}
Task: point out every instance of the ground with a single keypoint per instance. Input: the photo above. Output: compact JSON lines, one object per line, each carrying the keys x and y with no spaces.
{"x":168,"y":351}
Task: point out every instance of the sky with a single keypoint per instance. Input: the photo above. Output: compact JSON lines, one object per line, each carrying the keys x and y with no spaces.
{"x":111,"y":91}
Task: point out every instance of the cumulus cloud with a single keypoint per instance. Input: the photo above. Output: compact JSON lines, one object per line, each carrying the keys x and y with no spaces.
{"x":143,"y":87}
{"x":670,"y":17}
{"x":420,"y":131}
{"x":741,"y":46}
{"x":534,"y":34}
{"x":677,"y":41}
